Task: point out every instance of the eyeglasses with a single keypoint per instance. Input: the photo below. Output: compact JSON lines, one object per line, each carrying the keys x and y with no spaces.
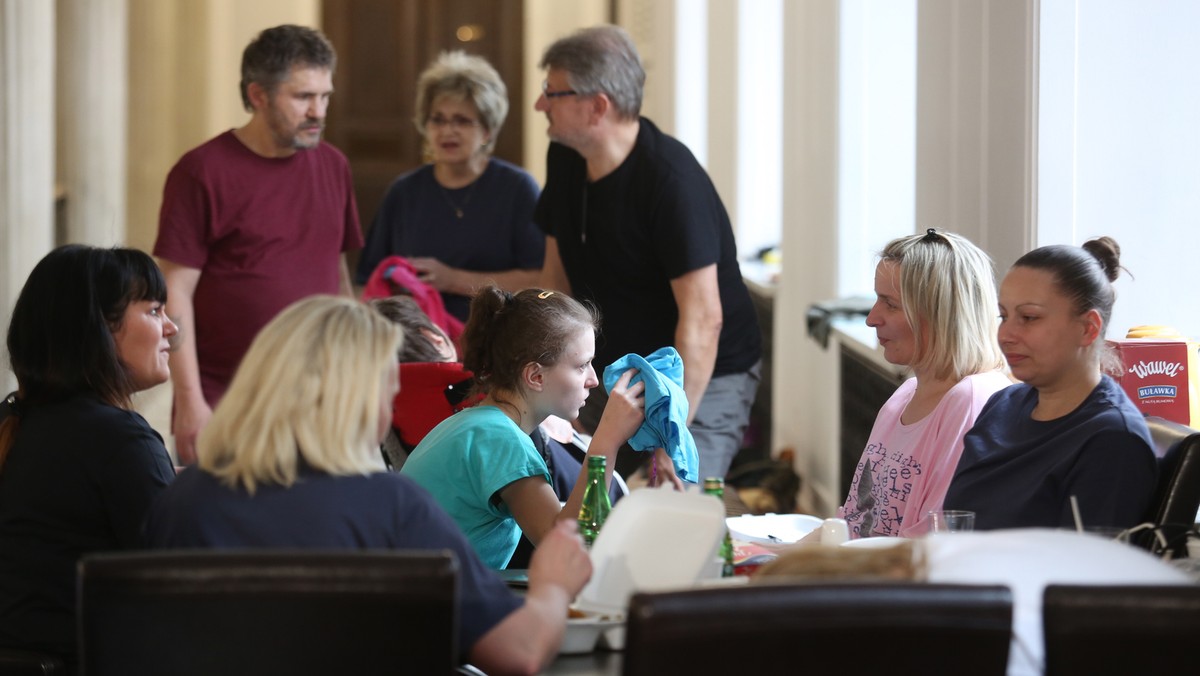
{"x":554,"y":95}
{"x":456,"y":122}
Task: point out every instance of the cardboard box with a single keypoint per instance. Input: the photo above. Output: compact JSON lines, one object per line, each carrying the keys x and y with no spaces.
{"x":1161,"y":377}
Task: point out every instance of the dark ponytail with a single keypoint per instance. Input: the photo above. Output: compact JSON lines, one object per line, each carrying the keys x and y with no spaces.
{"x":505,"y":332}
{"x":1083,"y":274}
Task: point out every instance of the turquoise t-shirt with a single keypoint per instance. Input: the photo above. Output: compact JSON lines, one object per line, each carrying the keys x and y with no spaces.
{"x":464,"y":462}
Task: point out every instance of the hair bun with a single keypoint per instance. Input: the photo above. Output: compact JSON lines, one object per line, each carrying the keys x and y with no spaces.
{"x":1108,"y":253}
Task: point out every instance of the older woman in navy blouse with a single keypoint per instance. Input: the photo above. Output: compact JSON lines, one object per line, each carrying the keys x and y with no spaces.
{"x":1068,"y":430}
{"x":465,"y":219}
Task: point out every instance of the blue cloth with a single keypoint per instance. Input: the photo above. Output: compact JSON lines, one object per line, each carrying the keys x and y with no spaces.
{"x":666,"y":408}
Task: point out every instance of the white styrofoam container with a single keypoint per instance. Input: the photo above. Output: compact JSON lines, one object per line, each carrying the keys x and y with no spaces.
{"x":654,"y":540}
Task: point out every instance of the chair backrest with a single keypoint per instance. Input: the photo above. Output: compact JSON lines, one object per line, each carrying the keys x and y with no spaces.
{"x":902,"y":628}
{"x":25,"y":663}
{"x":1120,"y":629}
{"x":1177,"y":496}
{"x":267,"y":612}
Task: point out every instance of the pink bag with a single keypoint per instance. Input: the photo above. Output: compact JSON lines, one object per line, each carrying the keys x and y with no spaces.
{"x":396,"y":276}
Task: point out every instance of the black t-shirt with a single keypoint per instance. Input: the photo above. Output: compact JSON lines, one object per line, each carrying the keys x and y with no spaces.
{"x":80,"y":478}
{"x":622,"y":240}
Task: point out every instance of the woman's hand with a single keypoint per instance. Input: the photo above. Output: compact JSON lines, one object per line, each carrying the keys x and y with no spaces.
{"x":662,"y":470}
{"x":435,"y":273}
{"x":625,"y":410}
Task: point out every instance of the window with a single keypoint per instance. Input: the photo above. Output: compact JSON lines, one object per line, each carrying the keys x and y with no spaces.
{"x":1119,"y":147}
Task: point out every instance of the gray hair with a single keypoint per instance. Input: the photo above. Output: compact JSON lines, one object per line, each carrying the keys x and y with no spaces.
{"x":468,"y":78}
{"x":601,"y":60}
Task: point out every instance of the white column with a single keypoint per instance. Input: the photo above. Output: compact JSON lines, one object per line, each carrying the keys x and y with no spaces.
{"x":92,"y":96}
{"x":722,"y":102}
{"x":26,"y":149}
{"x":977,"y":84}
{"x":805,"y":409}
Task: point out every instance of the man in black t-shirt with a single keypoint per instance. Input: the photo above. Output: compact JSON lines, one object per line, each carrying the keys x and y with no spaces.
{"x":634,"y":225}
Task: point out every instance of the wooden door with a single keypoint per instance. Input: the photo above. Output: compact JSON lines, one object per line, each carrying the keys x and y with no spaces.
{"x":382,"y":46}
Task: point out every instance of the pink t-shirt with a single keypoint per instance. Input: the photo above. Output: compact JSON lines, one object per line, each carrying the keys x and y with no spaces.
{"x":264,"y":233}
{"x":905,"y":469}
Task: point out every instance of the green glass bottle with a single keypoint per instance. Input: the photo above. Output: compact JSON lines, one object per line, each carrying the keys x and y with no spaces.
{"x":596,"y":505}
{"x":715,"y":486}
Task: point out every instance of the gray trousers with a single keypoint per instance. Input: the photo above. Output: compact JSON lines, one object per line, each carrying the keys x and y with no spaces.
{"x":718,"y":426}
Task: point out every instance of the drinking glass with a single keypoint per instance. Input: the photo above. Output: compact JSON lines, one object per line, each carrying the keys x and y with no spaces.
{"x":951,"y":521}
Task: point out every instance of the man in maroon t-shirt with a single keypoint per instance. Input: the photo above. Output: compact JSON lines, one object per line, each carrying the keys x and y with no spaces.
{"x":253,"y":220}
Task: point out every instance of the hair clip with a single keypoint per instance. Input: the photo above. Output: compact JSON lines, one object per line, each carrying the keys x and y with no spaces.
{"x":930,"y":235}
{"x":545,"y":294}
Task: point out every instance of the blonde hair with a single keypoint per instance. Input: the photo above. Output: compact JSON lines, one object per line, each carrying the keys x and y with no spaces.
{"x":948,"y":292}
{"x":308,"y":388}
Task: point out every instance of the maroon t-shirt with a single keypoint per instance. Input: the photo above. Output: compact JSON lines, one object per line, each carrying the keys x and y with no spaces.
{"x":264,"y":233}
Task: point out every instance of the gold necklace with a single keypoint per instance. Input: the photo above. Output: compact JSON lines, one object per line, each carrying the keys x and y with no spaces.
{"x":458,"y":208}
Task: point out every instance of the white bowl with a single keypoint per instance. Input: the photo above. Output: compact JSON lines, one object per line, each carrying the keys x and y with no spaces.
{"x":614,"y":638}
{"x":772,"y":528}
{"x":582,"y":633}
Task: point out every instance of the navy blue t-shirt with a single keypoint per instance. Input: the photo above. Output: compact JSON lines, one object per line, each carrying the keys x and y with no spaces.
{"x":320,"y":511}
{"x":495,"y":232}
{"x":1017,"y":472}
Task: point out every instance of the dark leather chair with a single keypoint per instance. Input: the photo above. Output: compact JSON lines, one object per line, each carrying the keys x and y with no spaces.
{"x":1120,"y":629}
{"x":26,"y":663}
{"x":869,"y":628}
{"x":193,"y":613}
{"x":1177,"y":496}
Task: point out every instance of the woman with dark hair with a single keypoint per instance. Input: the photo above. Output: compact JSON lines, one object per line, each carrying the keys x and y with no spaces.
{"x":531,"y":354}
{"x":78,"y":466}
{"x":435,"y":383}
{"x":1067,"y":437}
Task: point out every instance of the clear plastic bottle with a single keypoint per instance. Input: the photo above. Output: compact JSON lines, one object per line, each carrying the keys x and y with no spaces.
{"x":715,"y":486}
{"x":596,"y":505}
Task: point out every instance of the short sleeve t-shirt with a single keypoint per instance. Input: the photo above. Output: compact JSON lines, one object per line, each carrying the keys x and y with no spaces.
{"x":464,"y":463}
{"x":623,"y":238}
{"x":905,"y":469}
{"x":264,"y":233}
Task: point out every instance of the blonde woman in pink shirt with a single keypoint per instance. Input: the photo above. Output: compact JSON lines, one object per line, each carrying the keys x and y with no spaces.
{"x":935,"y":312}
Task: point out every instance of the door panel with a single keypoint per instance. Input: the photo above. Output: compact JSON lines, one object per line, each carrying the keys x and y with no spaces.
{"x":383,"y":45}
